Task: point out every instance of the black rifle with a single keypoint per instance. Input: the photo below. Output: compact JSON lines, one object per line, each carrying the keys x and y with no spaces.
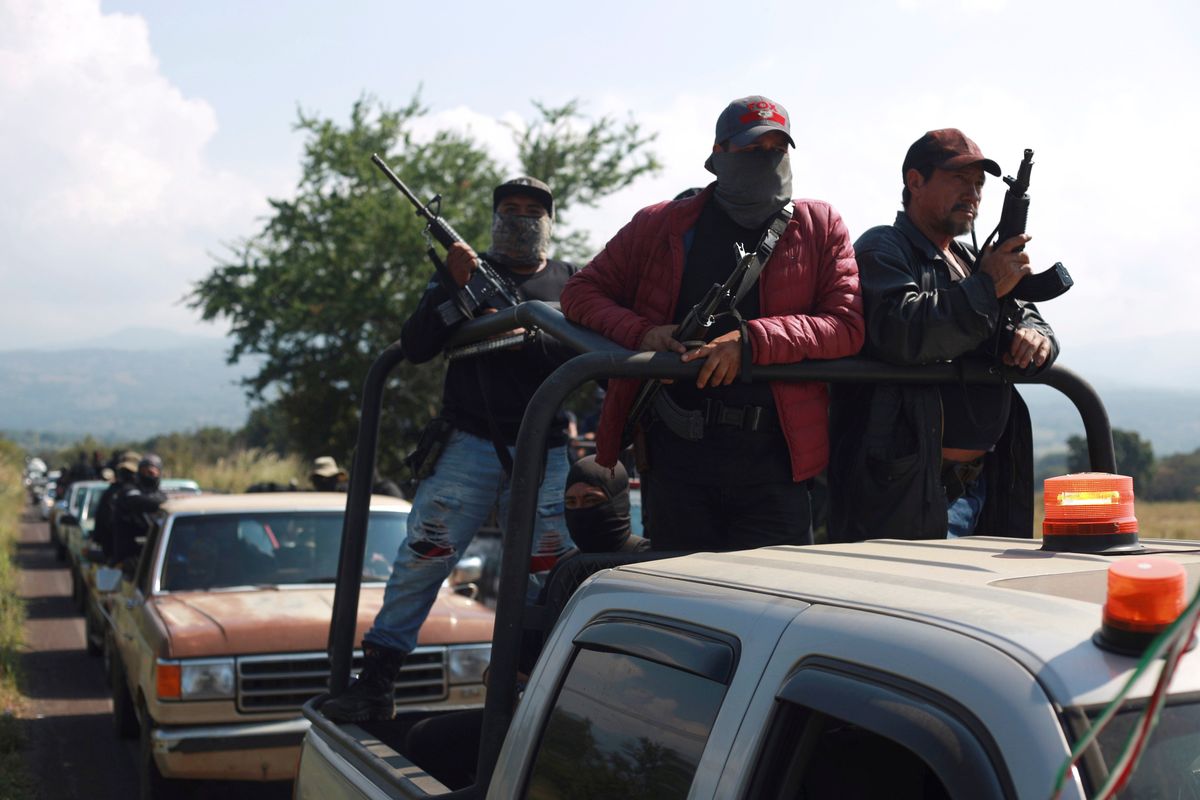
{"x":691,"y":330}
{"x":486,"y":288}
{"x":1045,"y":285}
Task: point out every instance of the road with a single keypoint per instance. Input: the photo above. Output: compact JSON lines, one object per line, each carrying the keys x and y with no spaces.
{"x":73,"y":753}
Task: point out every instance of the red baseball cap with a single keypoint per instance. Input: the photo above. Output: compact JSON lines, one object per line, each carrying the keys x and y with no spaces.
{"x":947,"y":148}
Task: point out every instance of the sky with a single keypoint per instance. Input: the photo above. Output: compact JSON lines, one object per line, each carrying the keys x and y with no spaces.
{"x":139,"y":140}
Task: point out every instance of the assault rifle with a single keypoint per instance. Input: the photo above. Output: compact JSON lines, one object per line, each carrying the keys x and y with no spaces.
{"x":486,"y":288}
{"x":1045,"y":285}
{"x":691,"y":330}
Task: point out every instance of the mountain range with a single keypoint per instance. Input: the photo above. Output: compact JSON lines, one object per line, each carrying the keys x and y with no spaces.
{"x":136,"y":383}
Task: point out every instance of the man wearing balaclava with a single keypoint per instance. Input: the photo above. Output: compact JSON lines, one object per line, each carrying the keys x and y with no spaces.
{"x":483,"y":400}
{"x":598,"y":509}
{"x":133,"y":510}
{"x":726,"y":462}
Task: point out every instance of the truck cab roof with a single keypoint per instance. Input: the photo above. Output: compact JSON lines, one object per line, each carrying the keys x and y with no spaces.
{"x":1039,"y":607}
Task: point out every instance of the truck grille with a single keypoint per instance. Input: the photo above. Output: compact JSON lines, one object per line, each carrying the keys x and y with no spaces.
{"x":286,"y":682}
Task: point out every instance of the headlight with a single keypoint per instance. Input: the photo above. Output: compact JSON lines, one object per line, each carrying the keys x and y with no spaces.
{"x":196,"y":680}
{"x":467,"y":662}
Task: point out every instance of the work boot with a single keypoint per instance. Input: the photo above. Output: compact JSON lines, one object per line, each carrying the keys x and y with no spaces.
{"x":372,"y":695}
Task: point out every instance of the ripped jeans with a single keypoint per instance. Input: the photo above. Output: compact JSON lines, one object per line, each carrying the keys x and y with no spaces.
{"x":450,"y":507}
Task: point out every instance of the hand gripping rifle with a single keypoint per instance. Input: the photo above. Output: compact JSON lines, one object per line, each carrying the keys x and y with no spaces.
{"x":486,"y":288}
{"x":692,"y":330}
{"x":1045,"y":285}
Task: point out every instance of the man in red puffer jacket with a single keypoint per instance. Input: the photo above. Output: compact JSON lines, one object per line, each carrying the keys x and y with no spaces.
{"x":743,"y":481}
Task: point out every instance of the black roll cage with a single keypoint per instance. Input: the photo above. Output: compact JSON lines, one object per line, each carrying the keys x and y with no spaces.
{"x":598,"y":358}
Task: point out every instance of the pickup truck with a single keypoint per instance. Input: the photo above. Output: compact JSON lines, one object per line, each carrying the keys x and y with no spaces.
{"x":967,"y":668}
{"x":216,"y":640}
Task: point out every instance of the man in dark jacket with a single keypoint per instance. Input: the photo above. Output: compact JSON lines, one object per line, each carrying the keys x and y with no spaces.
{"x":483,"y":400}
{"x":736,"y":474}
{"x":920,"y":461}
{"x":126,"y":471}
{"x":134,"y":508}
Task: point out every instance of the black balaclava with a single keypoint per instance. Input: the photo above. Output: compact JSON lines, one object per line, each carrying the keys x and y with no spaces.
{"x":603,"y":528}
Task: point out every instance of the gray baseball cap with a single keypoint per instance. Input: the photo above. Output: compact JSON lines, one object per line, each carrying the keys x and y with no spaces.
{"x":747,"y":118}
{"x":536,"y":189}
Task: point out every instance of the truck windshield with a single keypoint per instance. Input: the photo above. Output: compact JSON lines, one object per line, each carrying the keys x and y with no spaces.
{"x":1170,"y":764}
{"x":213,"y":551}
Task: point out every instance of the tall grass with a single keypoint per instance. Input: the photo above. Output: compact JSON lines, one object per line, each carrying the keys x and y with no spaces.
{"x":244,"y":468}
{"x":14,"y":777}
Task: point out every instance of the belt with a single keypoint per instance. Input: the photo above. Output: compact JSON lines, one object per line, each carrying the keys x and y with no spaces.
{"x":747,"y":418}
{"x":958,"y":475}
{"x":690,"y":424}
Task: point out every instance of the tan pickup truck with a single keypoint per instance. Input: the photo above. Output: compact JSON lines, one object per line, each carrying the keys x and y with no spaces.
{"x":219,"y":637}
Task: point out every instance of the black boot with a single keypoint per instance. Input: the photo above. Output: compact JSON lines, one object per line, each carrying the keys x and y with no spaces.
{"x":372,"y":695}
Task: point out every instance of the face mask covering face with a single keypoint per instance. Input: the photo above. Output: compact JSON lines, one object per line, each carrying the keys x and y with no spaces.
{"x":520,"y":241}
{"x":752,"y":185}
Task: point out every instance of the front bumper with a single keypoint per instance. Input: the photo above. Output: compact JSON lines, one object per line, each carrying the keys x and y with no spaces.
{"x":262,"y":751}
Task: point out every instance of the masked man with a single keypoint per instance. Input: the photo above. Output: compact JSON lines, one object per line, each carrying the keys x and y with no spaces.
{"x":134,"y":509}
{"x":743,"y":482}
{"x":483,"y":400}
{"x":598,"y":509}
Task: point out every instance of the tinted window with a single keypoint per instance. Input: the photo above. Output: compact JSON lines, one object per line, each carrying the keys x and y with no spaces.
{"x":213,"y":551}
{"x":815,"y":756}
{"x":624,"y":727}
{"x":1170,"y":764}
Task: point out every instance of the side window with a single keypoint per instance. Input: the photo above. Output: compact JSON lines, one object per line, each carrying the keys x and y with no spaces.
{"x":841,"y":732}
{"x":819,"y":757}
{"x":634,"y":713}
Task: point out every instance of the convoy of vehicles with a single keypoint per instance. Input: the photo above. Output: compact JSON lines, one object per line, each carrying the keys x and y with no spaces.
{"x":217,"y":639}
{"x":971,"y":668}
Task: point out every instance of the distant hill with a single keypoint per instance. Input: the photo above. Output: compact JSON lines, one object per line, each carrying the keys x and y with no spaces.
{"x":117,"y":394}
{"x":155,"y":382}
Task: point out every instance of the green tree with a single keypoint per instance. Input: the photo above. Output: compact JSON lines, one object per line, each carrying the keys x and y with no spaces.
{"x":324,"y":287}
{"x":1135,"y":458}
{"x":1177,"y":477}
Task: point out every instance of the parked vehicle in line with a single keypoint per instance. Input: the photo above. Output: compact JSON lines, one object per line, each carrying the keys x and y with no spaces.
{"x":219,"y":636}
{"x":179,"y":486}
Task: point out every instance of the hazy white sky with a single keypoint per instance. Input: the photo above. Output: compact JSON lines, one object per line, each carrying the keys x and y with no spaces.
{"x":139,"y":137}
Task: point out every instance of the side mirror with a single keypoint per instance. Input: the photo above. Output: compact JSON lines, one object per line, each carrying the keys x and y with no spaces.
{"x":468,"y":590}
{"x":108,"y":579}
{"x":467,"y":570}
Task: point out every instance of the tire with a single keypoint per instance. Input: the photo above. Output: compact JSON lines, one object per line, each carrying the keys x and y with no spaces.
{"x":78,"y":593}
{"x":125,"y":720}
{"x":60,"y":552}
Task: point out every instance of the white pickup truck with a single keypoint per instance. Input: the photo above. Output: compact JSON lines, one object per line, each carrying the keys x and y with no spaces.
{"x":964,"y":668}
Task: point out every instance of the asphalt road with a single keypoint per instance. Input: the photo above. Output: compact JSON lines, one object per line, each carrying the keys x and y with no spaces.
{"x":73,"y":753}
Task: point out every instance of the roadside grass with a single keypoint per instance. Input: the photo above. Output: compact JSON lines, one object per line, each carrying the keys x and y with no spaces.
{"x":241,"y":470}
{"x":15,"y":781}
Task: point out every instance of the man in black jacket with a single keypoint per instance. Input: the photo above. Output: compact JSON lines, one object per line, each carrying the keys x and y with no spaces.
{"x":921,"y":461}
{"x":134,"y":508}
{"x":483,"y":400}
{"x":126,"y":472}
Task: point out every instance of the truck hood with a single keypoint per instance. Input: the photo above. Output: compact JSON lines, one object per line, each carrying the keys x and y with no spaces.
{"x":255,"y":621}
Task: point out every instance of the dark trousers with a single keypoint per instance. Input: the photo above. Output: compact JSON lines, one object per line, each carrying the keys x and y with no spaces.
{"x":703,"y":517}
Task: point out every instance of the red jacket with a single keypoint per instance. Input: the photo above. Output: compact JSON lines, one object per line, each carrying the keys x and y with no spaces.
{"x":808,"y":293}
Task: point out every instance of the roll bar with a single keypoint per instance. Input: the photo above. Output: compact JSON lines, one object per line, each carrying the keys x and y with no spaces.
{"x":600,"y":358}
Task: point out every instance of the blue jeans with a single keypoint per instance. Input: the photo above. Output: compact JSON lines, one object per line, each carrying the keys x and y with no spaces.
{"x":450,"y":507}
{"x":963,"y":514}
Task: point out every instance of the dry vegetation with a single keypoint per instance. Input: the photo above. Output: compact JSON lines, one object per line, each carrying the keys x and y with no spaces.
{"x":14,"y":779}
{"x":242,"y":469}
